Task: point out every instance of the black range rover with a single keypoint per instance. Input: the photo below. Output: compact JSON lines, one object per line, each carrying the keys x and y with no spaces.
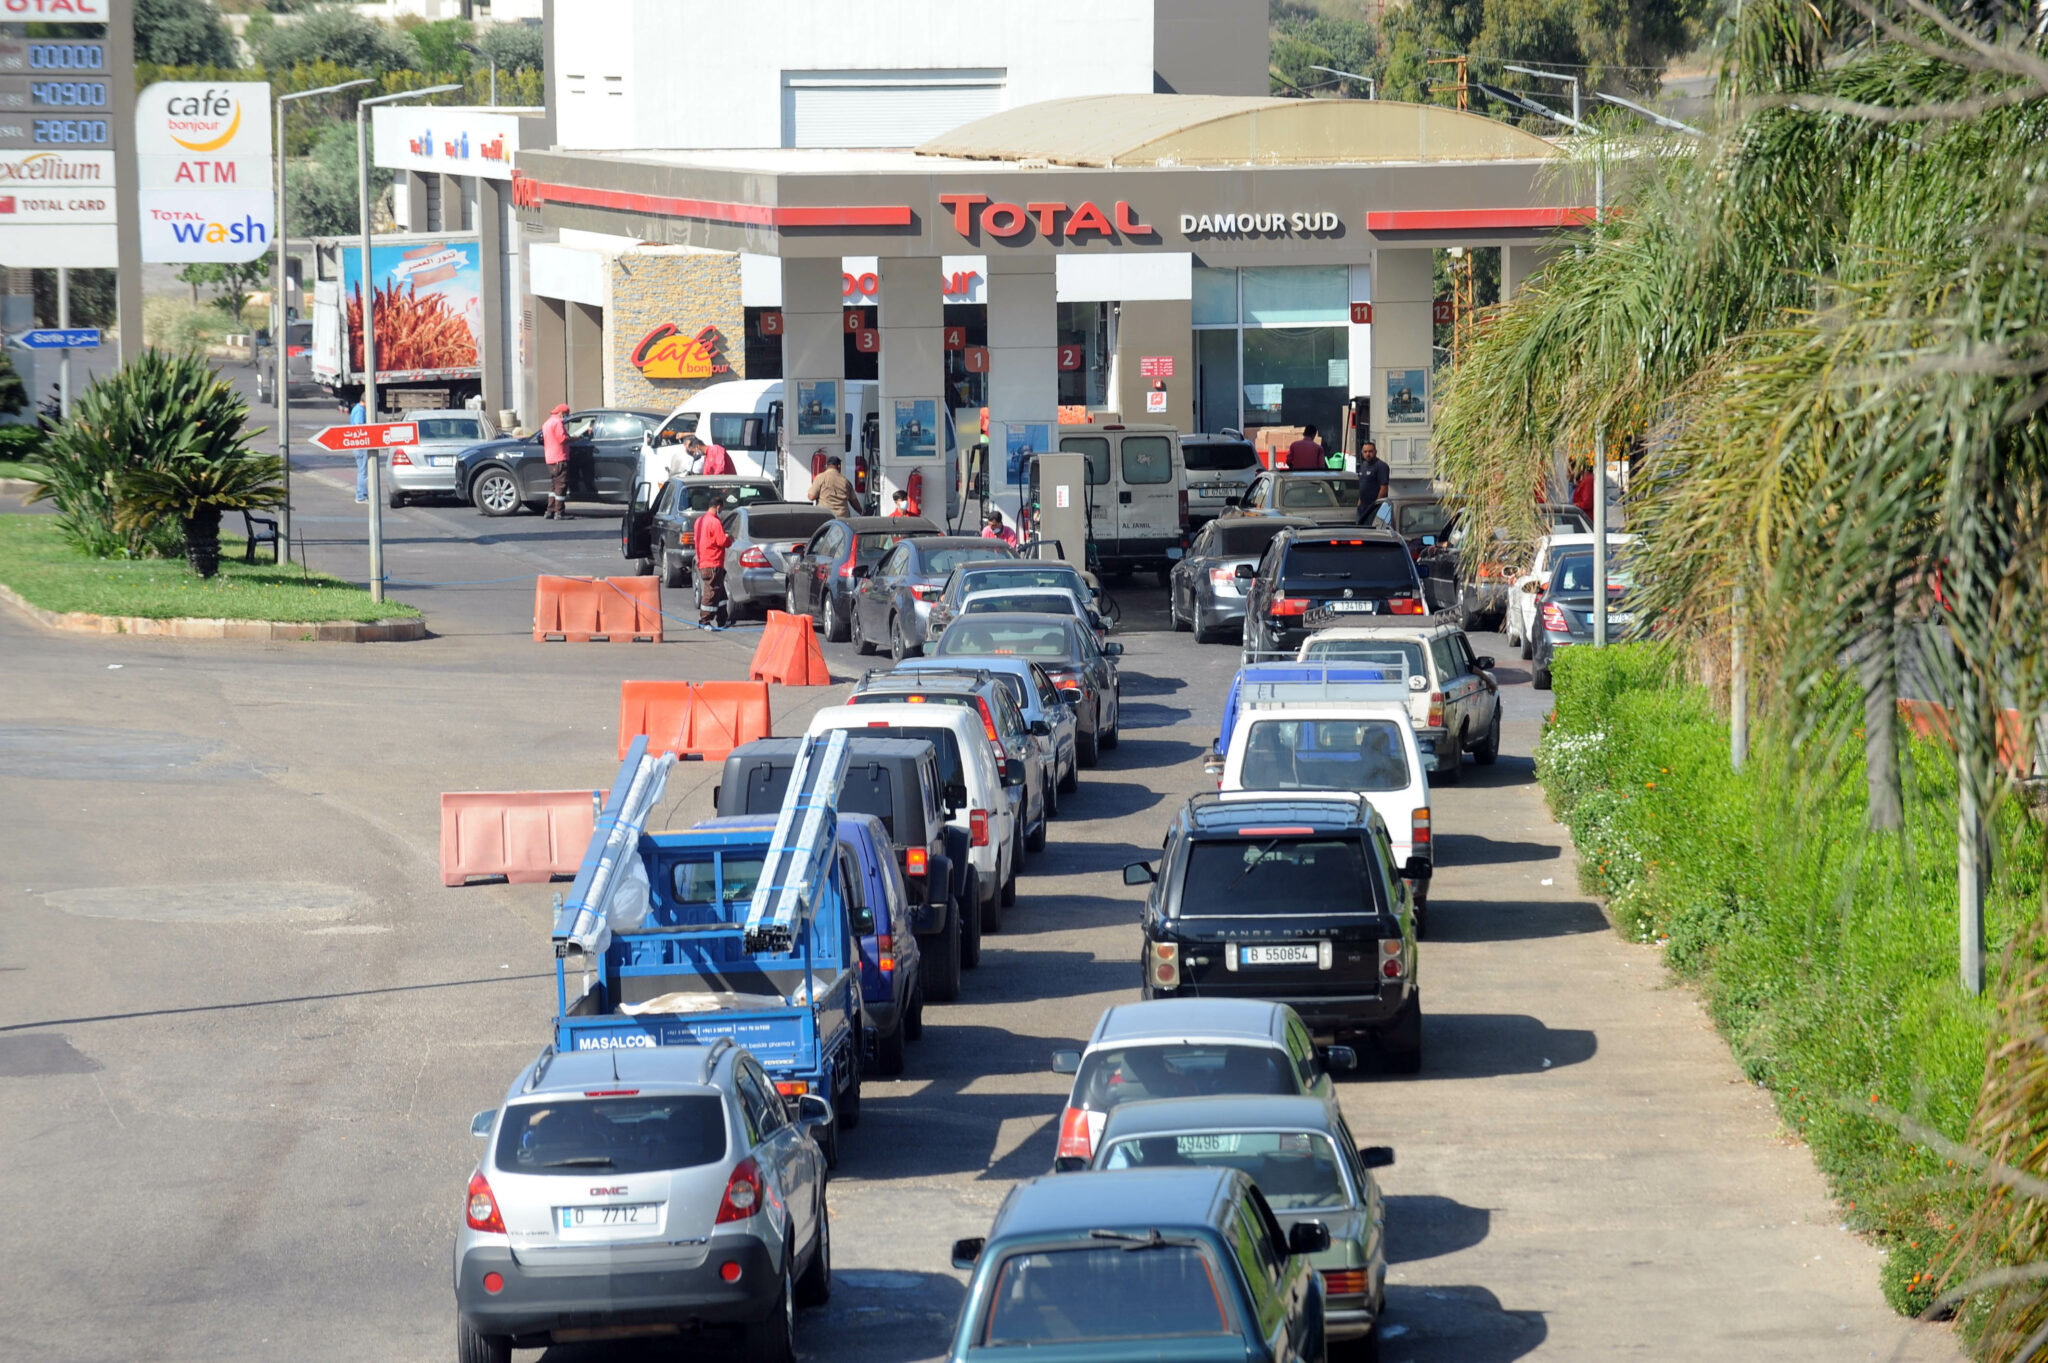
{"x":1313,"y":577}
{"x":1295,"y":900}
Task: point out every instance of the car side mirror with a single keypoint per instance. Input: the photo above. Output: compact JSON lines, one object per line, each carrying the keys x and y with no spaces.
{"x":480,"y":1125}
{"x":1066,"y":1062}
{"x":813,"y":1111}
{"x":1139,"y":873}
{"x":716,"y":791}
{"x":1071,"y":696}
{"x":1307,"y":1237}
{"x":1340,"y":1059}
{"x":861,"y":570}
{"x":864,"y":921}
{"x":1484,"y":662}
{"x":1212,"y":764}
{"x":1112,"y":650}
{"x":1013,"y":771}
{"x":1415,"y":869}
{"x":966,"y":1253}
{"x":1069,"y":1164}
{"x":1376,"y":1156}
{"x":1244,"y":572}
{"x":1040,"y":729}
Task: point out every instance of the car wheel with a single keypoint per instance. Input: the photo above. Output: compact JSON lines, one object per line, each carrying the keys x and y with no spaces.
{"x":815,"y":1287}
{"x":496,"y":493}
{"x":970,"y":922}
{"x":1115,"y":734}
{"x":1008,"y":895}
{"x":835,"y":621}
{"x":1173,"y":609}
{"x":1090,"y":748}
{"x":1488,"y":752}
{"x":473,"y":1347}
{"x":672,"y":574}
{"x":773,"y":1340}
{"x":394,"y":499}
{"x":991,"y":917}
{"x":941,"y":956}
{"x":846,"y":1112}
{"x":1402,"y":1043}
{"x":889,"y":1047}
{"x":1071,"y":782}
{"x":828,"y":1143}
{"x":860,"y":638}
{"x":1052,"y":809}
{"x":1449,"y":765}
{"x":1528,"y":650}
{"x":1048,"y":805}
{"x":899,"y":646}
{"x":1539,"y":676}
{"x":913,"y":1015}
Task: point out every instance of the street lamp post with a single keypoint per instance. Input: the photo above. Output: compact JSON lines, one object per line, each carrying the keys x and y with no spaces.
{"x":281,"y":324}
{"x":476,"y":51}
{"x":1371,"y":90}
{"x":367,"y":282}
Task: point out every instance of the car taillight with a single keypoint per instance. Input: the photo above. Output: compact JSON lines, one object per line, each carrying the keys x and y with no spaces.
{"x":1405,"y":605}
{"x":754,"y":558}
{"x":988,"y":724}
{"x":977,"y":827}
{"x":689,"y":536}
{"x":1554,"y":619}
{"x":1344,"y":1282}
{"x":792,"y":1088}
{"x":400,"y":457}
{"x":885,"y":948}
{"x":1289,"y":605}
{"x":915,"y":861}
{"x":1223,"y":577}
{"x":1436,"y":709}
{"x":483,"y":1207}
{"x":929,"y":592}
{"x":1390,"y":958}
{"x":1164,"y":965}
{"x":1183,"y":506}
{"x":1077,"y":1135}
{"x":1419,"y":828}
{"x":742,"y":1193}
{"x":846,"y":568}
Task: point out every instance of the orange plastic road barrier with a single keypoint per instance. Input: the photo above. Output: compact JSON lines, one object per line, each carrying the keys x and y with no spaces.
{"x":526,"y":836}
{"x":788,"y":653}
{"x":1931,"y":720}
{"x":709,"y":720}
{"x":621,"y":610}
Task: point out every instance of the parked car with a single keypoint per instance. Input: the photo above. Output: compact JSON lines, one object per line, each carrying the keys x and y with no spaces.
{"x":1187,"y":1048}
{"x":1032,"y":601}
{"x":1311,"y":577}
{"x":1218,"y":1278}
{"x":500,"y":476}
{"x":428,"y":468}
{"x":1067,"y":651}
{"x":1009,"y":574}
{"x":708,"y":1207}
{"x":978,"y":690}
{"x":1290,"y":897}
{"x":1458,"y":711}
{"x":891,"y":603}
{"x":766,"y":538}
{"x":899,"y":782}
{"x":1307,"y":1164}
{"x":1520,"y":625}
{"x":974,"y":791}
{"x":824,"y":576}
{"x":1203,"y":593}
{"x":658,"y":535}
{"x":1564,"y":610}
{"x":1220,"y":468}
{"x":1325,"y":498}
{"x":1041,"y":703}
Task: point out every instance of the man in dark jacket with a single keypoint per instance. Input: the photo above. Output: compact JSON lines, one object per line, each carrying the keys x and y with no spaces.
{"x":1372,"y":482}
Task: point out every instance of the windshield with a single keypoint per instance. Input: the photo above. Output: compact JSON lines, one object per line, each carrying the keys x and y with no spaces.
{"x":1392,"y":652}
{"x":1180,"y":1069}
{"x":952,"y":772}
{"x":1372,"y":564}
{"x":1423,"y":518}
{"x":1019,"y":603}
{"x":1574,"y":573}
{"x":1316,"y":494}
{"x":997,"y":579}
{"x":1011,"y":638}
{"x":1296,"y":1170}
{"x":723,"y":879}
{"x":630,"y":1135}
{"x":1247,"y":540}
{"x":702,"y":495}
{"x":1292,"y":876}
{"x":1066,"y":1296}
{"x":939,"y":562}
{"x":870,"y":547}
{"x":867,"y":789}
{"x":1324,"y":754}
{"x":1215,"y":456}
{"x":785,"y":525}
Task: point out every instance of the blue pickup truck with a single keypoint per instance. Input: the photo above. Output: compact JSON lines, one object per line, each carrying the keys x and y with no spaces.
{"x":738,"y":929}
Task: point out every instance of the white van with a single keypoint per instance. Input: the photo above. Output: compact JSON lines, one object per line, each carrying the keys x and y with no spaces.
{"x":1137,"y":494}
{"x":746,"y":417}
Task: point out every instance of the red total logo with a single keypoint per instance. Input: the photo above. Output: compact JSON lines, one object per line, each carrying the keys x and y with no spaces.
{"x":1057,"y":221}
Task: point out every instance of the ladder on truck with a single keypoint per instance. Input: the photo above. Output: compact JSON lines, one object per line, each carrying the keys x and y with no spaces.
{"x":785,"y":896}
{"x":582,"y":921}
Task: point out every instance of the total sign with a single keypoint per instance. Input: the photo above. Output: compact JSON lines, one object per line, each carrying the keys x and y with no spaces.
{"x":203,"y":161}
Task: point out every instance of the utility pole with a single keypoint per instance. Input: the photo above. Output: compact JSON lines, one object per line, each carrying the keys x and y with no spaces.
{"x":1600,"y":535}
{"x":1738,"y":686}
{"x":1458,"y":62}
{"x":368,"y":282}
{"x":127,"y":197}
{"x":64,"y":355}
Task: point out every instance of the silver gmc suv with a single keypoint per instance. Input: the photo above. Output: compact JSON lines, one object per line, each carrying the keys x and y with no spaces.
{"x":643,"y":1192}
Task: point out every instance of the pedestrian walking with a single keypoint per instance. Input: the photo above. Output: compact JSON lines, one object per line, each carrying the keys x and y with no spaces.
{"x":711,"y":539}
{"x":1307,"y":454}
{"x":996,"y":530}
{"x":831,"y":490}
{"x":554,"y":440}
{"x":1372,"y":483}
{"x":356,"y":417}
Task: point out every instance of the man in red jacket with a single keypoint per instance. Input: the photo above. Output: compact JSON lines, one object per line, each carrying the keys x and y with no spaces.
{"x":711,"y":539}
{"x":554,"y":442}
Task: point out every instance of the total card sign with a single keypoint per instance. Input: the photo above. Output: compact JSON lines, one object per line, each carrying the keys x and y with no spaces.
{"x":204,"y":171}
{"x":56,"y":187}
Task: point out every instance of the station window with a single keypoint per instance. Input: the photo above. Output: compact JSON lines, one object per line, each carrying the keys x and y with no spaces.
{"x":1272,"y":347}
{"x":1089,"y":326}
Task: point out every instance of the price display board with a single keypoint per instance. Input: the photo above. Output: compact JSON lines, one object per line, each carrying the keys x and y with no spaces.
{"x":54,"y":94}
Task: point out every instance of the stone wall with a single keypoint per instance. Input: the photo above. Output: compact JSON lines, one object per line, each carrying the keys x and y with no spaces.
{"x":689,"y":289}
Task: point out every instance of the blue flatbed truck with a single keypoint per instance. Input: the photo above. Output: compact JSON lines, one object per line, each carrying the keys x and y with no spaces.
{"x":740,"y":932}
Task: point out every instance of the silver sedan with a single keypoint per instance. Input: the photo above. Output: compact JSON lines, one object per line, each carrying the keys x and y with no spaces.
{"x":893,"y":603}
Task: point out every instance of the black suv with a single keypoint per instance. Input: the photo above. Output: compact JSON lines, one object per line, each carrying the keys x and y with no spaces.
{"x":1318,"y":577}
{"x":896,"y":780}
{"x":1292,"y":899}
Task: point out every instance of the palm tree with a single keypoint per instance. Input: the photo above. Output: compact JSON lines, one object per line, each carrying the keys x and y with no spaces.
{"x":195,"y":491}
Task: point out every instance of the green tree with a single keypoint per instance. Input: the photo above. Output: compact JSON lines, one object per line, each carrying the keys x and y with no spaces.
{"x":13,"y":392}
{"x":325,"y":197}
{"x":437,"y":42}
{"x":183,"y":33}
{"x":336,"y":34}
{"x":515,"y":47}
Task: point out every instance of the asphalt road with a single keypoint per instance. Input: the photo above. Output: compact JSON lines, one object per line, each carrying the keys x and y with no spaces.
{"x":243,"y":1027}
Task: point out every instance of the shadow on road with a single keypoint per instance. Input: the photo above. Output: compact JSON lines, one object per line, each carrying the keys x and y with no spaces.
{"x":1146,"y":754}
{"x":1487,"y":1045}
{"x":1139,"y":684}
{"x":1101,"y":798}
{"x":1507,"y":770}
{"x":1424,"y":1226}
{"x":1475,"y":920}
{"x":1457,"y":1325}
{"x":1146,"y":715}
{"x":1473,"y":849}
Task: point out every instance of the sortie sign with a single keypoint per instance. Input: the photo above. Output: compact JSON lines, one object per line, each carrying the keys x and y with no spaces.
{"x":387,"y":435}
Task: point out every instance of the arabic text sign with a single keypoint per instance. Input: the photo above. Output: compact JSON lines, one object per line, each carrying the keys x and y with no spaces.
{"x":380,"y":436}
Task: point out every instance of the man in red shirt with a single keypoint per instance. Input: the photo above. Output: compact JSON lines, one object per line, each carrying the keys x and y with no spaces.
{"x":717,"y":461}
{"x":1306,"y":454}
{"x":710,"y":538}
{"x":554,"y":441}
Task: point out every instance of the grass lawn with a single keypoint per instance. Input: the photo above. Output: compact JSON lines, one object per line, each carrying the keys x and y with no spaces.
{"x":49,"y":573}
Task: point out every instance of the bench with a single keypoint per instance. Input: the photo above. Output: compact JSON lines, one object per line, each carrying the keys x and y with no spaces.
{"x":259,"y":530}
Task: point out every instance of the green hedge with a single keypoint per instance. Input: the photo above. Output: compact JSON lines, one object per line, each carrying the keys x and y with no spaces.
{"x":1827,"y":955}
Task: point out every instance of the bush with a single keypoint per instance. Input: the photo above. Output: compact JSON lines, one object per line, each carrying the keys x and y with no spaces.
{"x":174,"y":324}
{"x":1826,"y":954}
{"x":19,"y":442}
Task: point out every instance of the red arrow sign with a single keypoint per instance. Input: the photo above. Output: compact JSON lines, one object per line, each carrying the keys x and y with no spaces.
{"x":383,"y":436}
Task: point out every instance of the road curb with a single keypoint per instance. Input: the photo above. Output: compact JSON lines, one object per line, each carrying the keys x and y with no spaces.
{"x":245,"y":631}
{"x":16,"y":487}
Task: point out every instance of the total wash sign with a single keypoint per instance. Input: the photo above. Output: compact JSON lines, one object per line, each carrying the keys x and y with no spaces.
{"x":204,"y":171}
